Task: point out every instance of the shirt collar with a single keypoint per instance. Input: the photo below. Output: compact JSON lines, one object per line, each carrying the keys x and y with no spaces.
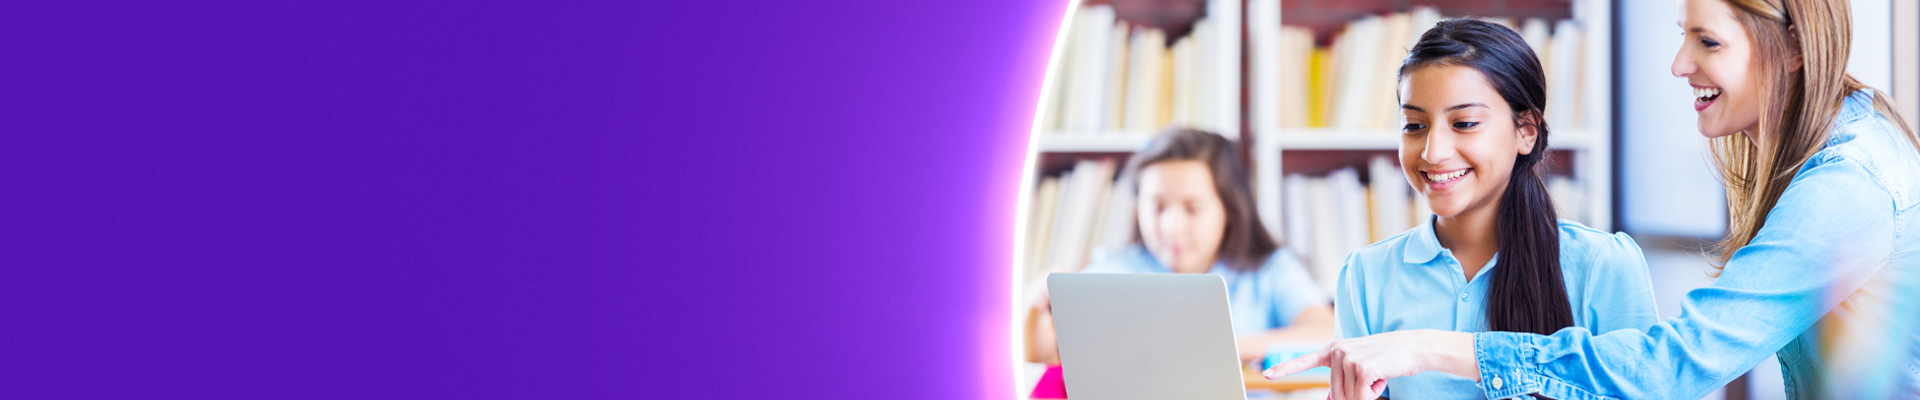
{"x":1423,"y":246}
{"x":1857,"y":105}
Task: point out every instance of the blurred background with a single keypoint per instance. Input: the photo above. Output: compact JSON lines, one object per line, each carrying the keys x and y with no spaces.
{"x":1304,"y":86}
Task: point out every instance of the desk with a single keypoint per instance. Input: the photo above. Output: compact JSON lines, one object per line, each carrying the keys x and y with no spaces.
{"x":1285,"y":384}
{"x":1256,"y":382}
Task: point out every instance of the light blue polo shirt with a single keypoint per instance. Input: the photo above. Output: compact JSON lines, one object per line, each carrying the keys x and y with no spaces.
{"x":1260,"y":300}
{"x":1410,"y":282}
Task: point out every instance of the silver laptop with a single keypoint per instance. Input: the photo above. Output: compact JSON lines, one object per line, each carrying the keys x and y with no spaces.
{"x":1145,"y":336}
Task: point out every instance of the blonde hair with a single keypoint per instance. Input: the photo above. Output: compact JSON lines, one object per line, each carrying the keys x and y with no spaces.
{"x":1797,"y":108}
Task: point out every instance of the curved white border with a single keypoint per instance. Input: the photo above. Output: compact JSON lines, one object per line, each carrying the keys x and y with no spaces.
{"x":1017,"y":335}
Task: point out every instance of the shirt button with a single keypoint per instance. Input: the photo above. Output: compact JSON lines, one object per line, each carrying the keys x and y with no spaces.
{"x":1463,"y":297}
{"x":1496,"y":383}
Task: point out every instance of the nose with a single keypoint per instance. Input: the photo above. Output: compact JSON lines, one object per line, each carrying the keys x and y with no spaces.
{"x":1173,"y":223}
{"x":1439,"y":145}
{"x":1682,"y":64}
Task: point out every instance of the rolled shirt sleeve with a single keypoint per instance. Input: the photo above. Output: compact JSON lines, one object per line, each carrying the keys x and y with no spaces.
{"x":1830,"y":232}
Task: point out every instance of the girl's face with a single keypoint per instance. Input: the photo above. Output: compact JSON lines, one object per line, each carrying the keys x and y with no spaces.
{"x":1460,"y":141}
{"x":1181,"y":216}
{"x":1715,"y":60}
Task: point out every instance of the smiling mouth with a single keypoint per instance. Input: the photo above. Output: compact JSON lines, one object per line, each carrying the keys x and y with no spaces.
{"x":1446,"y":177}
{"x":1704,"y":96}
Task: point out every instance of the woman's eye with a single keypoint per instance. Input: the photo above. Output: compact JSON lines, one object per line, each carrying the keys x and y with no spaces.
{"x":1465,"y":125}
{"x":1413,"y":128}
{"x":1710,"y":43}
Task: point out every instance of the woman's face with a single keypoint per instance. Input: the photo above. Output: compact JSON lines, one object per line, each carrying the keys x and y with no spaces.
{"x":1181,"y":216}
{"x":1715,"y":60}
{"x":1460,"y":141}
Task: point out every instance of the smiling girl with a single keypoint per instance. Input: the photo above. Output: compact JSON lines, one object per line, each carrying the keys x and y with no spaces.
{"x":1820,"y":265}
{"x":1494,"y":257}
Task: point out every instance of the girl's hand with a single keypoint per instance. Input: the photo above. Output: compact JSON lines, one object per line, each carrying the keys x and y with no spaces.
{"x":1362,"y":365}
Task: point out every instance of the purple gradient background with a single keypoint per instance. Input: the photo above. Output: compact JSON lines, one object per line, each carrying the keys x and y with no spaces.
{"x":512,"y":199}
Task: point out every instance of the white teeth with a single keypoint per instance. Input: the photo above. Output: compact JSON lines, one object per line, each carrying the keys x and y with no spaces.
{"x":1446,"y":176}
{"x":1706,"y":94}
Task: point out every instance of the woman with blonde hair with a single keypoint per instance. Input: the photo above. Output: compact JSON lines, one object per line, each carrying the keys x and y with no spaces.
{"x":1820,"y":265}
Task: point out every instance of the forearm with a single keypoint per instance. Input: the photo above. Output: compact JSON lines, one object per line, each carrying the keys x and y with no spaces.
{"x":1254,"y":347}
{"x":1041,"y":346}
{"x":1313,"y":325}
{"x":1454,"y":353}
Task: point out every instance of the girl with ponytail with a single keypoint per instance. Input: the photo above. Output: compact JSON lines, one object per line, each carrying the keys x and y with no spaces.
{"x":1494,"y":257}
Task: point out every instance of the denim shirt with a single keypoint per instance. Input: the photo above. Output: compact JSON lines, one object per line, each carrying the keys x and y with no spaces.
{"x":1409,"y":281}
{"x":1260,"y":300}
{"x":1831,"y":283}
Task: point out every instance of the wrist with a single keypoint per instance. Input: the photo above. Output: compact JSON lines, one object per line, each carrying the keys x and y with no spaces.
{"x":1452,"y":352}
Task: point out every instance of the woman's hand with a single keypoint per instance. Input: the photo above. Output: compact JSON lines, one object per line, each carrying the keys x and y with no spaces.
{"x":1362,"y":365}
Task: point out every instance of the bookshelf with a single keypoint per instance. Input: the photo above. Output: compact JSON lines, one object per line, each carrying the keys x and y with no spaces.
{"x":1239,"y":71}
{"x":1117,"y":77}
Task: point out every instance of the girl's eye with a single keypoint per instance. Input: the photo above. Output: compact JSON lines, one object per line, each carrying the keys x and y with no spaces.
{"x":1413,"y":127}
{"x":1465,"y":125}
{"x":1710,"y":43}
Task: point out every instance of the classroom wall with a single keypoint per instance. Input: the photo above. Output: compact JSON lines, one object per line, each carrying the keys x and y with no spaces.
{"x":1667,"y":187}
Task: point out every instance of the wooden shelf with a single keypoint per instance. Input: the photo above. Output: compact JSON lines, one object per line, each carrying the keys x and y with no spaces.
{"x":1293,"y":139}
{"x":1336,"y":139}
{"x":1092,"y":142}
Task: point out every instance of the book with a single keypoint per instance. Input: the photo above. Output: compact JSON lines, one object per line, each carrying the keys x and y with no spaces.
{"x":1117,"y":221}
{"x":1145,"y":61}
{"x":1392,"y":196}
{"x":1113,"y":89}
{"x":1563,"y":76}
{"x":1092,"y":29}
{"x":1040,"y":226}
{"x":1357,"y":78}
{"x":1083,"y":188}
{"x":1567,"y":195}
{"x":1325,"y":258}
{"x":1265,"y":45}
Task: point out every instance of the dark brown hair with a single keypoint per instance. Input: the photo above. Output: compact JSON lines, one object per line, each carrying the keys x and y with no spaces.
{"x":1246,"y":244}
{"x":1527,"y":292}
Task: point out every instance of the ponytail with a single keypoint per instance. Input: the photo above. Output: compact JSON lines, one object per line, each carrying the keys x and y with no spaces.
{"x":1527,"y":292}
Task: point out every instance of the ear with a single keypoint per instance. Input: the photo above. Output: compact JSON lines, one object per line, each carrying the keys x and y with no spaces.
{"x":1795,"y":61}
{"x":1528,"y":129}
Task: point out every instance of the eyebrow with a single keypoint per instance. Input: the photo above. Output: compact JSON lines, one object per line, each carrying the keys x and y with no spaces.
{"x":1691,"y":29}
{"x":1454,"y":108}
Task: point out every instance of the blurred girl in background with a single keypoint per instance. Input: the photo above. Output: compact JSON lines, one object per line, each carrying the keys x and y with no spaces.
{"x":1195,"y":214}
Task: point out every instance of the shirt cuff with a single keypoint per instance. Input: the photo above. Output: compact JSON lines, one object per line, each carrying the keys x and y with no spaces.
{"x":1505,"y":367}
{"x":1510,"y":367}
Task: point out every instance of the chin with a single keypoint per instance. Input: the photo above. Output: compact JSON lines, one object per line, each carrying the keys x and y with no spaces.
{"x":1444,"y":211}
{"x":1443,"y":208}
{"x":1715,"y":133}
